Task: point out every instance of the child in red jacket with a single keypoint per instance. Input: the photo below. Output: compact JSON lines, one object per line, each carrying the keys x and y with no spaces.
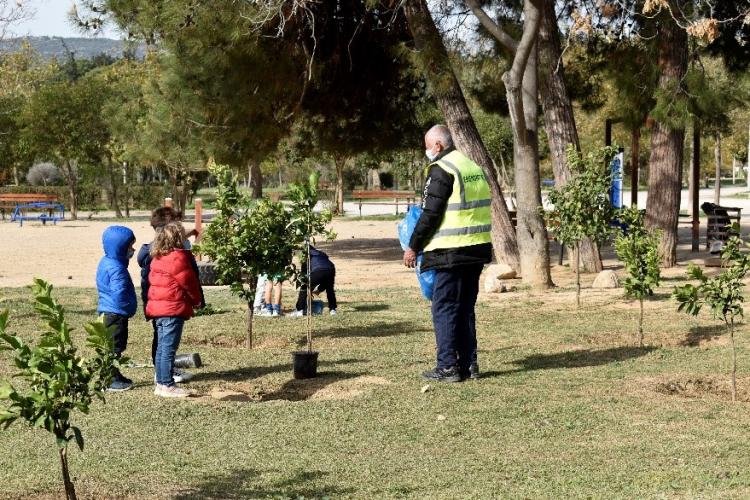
{"x":174,"y":291}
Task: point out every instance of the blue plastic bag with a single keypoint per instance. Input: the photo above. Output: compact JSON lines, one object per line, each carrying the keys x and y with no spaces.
{"x":405,"y":230}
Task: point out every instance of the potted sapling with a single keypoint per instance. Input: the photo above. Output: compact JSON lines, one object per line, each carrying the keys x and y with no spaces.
{"x":305,"y":225}
{"x":245,"y":239}
{"x":57,"y":381}
{"x":722,"y":293}
{"x":638,"y":248}
{"x":581,"y":207}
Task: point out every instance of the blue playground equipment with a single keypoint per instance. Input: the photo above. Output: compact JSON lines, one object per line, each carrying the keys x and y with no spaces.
{"x":41,"y":210}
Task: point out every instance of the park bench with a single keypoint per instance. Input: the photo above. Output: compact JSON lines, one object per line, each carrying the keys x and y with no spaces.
{"x":720,"y":220}
{"x":9,"y":201}
{"x":383,"y":197}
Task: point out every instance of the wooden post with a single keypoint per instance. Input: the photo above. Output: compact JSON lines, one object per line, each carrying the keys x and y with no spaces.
{"x":168,"y":202}
{"x":695,"y":167}
{"x":198,"y":217}
{"x":635,"y":165}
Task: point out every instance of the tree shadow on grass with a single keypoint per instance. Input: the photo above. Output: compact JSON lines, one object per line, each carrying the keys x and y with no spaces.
{"x":699,"y":334}
{"x":301,"y":390}
{"x":244,"y":483}
{"x":240,"y":374}
{"x":573,"y":359}
{"x":374,"y":330}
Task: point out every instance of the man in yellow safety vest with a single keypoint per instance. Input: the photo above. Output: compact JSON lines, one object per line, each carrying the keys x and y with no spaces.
{"x":454,"y":234}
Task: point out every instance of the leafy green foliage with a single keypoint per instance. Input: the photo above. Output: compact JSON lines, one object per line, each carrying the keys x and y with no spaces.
{"x":305,"y":223}
{"x":304,"y":226}
{"x":638,"y":248}
{"x":246,"y":238}
{"x":59,"y":380}
{"x":581,"y":207}
{"x":722,"y":293}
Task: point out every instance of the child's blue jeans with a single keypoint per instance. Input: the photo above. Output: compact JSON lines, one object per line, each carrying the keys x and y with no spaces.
{"x":169,"y":331}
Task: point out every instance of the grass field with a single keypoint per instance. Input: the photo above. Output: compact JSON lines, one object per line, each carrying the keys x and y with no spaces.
{"x":567,"y":407}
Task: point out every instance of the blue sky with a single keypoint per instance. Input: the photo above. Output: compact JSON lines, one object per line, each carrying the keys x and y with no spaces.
{"x":51,"y":19}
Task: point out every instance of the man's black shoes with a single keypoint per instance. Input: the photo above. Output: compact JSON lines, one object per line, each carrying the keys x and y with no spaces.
{"x":442,"y":375}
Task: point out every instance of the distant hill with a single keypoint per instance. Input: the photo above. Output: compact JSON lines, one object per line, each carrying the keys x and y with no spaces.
{"x":83,"y":48}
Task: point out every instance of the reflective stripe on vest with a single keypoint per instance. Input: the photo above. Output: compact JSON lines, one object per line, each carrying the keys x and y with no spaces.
{"x":467,"y":218}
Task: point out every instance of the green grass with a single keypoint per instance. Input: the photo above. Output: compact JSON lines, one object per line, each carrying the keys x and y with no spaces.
{"x":567,"y":408}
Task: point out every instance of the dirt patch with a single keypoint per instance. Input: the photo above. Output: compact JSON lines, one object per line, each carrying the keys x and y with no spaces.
{"x":700,"y":388}
{"x":326,"y":387}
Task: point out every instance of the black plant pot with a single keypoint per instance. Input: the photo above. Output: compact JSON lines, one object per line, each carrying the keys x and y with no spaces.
{"x":305,"y":364}
{"x":192,"y":360}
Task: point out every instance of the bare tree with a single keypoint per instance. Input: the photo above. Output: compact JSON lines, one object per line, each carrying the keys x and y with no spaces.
{"x":13,"y":12}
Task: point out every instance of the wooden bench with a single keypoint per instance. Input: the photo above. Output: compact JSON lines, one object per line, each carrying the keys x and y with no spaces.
{"x":9,"y":201}
{"x":385,"y":198}
{"x":720,"y":221}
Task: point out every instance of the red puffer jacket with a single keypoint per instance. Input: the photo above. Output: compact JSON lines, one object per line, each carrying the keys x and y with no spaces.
{"x":174,"y":287}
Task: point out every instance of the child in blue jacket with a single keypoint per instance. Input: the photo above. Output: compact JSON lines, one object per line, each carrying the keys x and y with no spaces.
{"x":117,"y":299}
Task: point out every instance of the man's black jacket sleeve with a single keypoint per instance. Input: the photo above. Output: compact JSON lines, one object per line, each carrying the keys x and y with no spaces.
{"x":437,"y":190}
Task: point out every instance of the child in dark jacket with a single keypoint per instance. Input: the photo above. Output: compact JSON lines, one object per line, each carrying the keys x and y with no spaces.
{"x":322,"y":278}
{"x":117,"y":299}
{"x":174,"y":292}
{"x":160,"y":218}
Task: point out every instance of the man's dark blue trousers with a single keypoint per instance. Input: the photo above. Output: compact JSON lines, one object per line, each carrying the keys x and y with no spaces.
{"x":453,"y":299}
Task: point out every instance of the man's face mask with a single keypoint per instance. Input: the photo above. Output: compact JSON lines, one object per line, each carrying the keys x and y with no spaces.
{"x":430,"y":155}
{"x":131,"y":252}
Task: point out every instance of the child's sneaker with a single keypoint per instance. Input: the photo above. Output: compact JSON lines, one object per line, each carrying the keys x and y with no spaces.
{"x":277,"y":311}
{"x":333,"y":312}
{"x":171,"y":391}
{"x":119,"y":386}
{"x":265,"y":312}
{"x":180,"y":375}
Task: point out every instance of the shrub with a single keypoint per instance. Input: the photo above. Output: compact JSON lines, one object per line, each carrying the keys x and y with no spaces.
{"x":44,"y":174}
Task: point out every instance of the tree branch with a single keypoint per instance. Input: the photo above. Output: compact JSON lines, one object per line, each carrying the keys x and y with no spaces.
{"x":507,"y":41}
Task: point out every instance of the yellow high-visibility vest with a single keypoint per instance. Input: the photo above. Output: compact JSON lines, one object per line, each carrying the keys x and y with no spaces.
{"x":468,"y":219}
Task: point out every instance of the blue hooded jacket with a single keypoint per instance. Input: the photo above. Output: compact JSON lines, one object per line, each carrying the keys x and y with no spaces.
{"x":116,"y":289}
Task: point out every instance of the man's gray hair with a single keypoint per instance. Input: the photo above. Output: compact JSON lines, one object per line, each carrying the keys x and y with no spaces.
{"x":442,"y":134}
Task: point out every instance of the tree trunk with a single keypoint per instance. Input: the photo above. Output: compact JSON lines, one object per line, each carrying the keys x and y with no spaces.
{"x":665,"y":163}
{"x":734,"y":361}
{"x":578,"y":279}
{"x":252,"y":285}
{"x":115,"y":192}
{"x":126,"y":187}
{"x":640,"y":324}
{"x":70,"y":490}
{"x":635,"y":164}
{"x":531,"y":232}
{"x":717,"y":161}
{"x":694,"y":186}
{"x":256,"y":179}
{"x":71,"y":178}
{"x":559,"y":120}
{"x":340,"y":162}
{"x":437,"y":69}
{"x":15,"y":175}
{"x":249,"y":331}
